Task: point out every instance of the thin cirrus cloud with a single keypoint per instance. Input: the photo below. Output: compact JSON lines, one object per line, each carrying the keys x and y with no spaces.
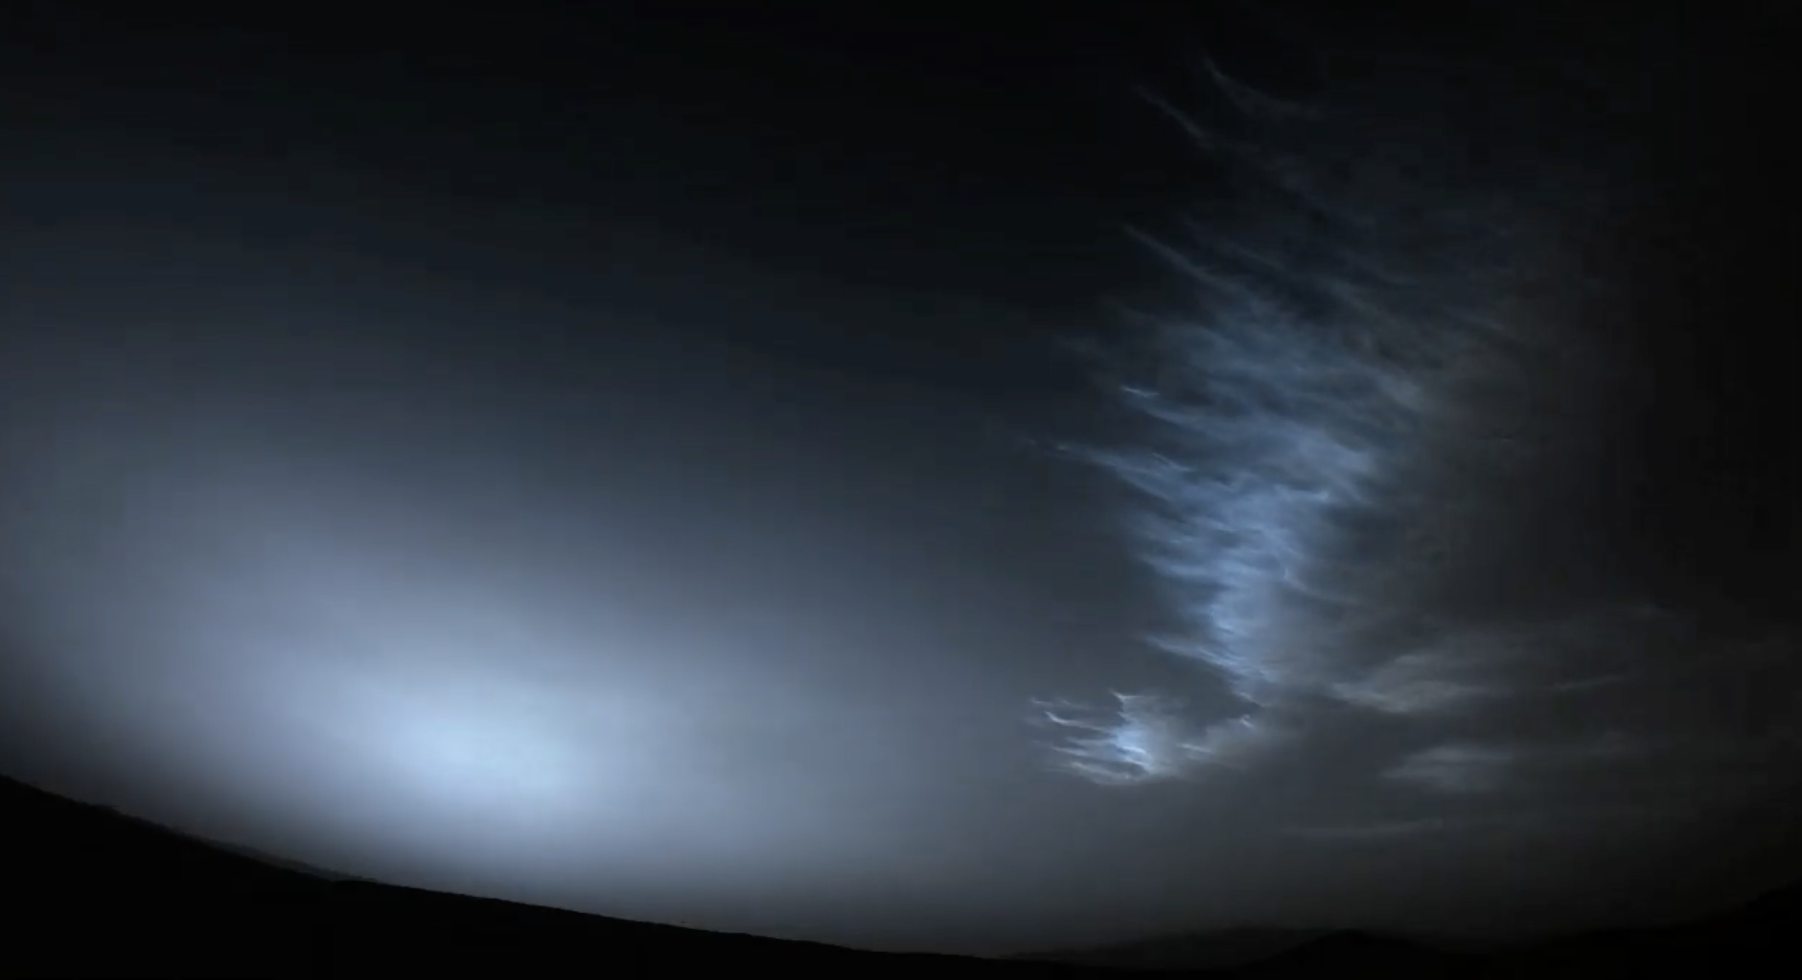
{"x":1346,"y":471}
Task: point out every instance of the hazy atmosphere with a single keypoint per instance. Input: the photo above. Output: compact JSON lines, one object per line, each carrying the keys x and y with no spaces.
{"x":917,"y":483}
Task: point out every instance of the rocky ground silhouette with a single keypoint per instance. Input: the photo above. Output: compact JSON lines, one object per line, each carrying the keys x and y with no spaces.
{"x":93,"y":891}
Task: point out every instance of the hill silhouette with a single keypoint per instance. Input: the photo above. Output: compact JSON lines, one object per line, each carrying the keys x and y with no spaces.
{"x":93,"y":891}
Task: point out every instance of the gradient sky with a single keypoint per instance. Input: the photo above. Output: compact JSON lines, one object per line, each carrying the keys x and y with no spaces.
{"x":893,"y":482}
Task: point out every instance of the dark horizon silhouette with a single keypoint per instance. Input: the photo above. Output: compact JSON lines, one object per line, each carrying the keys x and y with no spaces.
{"x":159,"y":902}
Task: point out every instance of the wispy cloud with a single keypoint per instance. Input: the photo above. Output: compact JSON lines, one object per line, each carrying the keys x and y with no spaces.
{"x":1352,"y":472}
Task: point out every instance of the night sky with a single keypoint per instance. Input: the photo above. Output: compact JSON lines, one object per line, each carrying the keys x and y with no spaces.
{"x":951,"y":480}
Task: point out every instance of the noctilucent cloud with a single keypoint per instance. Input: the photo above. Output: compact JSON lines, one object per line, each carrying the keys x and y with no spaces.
{"x":667,"y":493}
{"x":1344,"y":444}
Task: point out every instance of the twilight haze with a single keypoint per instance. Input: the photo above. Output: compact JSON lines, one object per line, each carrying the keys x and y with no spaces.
{"x":916,"y":484}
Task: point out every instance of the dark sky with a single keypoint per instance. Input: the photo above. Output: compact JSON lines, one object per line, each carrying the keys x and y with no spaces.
{"x":881,"y":478}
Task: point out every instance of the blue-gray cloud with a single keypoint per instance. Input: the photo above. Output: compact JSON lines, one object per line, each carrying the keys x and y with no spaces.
{"x":1351,"y":472}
